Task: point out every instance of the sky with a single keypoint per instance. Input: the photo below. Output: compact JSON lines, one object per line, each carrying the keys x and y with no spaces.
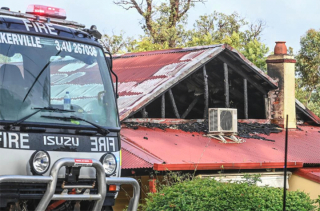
{"x":287,"y":20}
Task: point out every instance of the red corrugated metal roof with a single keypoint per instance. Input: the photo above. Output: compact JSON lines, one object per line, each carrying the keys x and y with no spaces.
{"x":309,"y":173}
{"x":139,"y":151}
{"x":134,"y":157}
{"x":179,"y":147}
{"x":144,"y":76}
{"x":131,"y":161}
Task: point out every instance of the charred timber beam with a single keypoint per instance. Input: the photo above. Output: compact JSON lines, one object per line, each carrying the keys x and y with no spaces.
{"x":206,"y":92}
{"x":190,"y":107}
{"x":175,"y":110}
{"x":144,"y":113}
{"x":267,"y":106}
{"x":226,"y":85}
{"x":245,"y":93}
{"x":244,"y":75}
{"x":163,"y":106}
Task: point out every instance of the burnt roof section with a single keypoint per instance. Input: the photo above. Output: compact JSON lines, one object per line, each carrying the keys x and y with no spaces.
{"x":145,"y":76}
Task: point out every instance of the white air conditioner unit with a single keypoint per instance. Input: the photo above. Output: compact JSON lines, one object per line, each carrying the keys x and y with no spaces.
{"x":223,"y":120}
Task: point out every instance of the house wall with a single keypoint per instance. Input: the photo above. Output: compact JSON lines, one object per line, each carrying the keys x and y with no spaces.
{"x":302,"y":184}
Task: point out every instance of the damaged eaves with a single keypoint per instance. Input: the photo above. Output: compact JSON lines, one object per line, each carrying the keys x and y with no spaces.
{"x":245,"y":130}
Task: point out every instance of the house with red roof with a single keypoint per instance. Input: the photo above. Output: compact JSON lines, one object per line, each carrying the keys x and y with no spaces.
{"x":164,"y":102}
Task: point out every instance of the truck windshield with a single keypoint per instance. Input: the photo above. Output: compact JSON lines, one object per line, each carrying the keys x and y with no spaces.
{"x":41,"y":72}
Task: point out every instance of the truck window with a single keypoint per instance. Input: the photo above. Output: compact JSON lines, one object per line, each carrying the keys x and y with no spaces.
{"x":12,"y":84}
{"x":38,"y":71}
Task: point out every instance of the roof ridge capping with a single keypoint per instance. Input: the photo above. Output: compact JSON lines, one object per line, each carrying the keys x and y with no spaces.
{"x":166,"y":51}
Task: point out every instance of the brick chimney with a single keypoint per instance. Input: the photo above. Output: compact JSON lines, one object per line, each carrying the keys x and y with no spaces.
{"x":282,"y":66}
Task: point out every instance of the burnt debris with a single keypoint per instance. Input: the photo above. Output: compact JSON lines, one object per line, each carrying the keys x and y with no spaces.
{"x":245,"y":130}
{"x":251,"y":130}
{"x":187,"y":127}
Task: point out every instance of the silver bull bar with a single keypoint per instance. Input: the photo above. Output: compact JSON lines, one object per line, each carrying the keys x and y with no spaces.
{"x":69,"y":162}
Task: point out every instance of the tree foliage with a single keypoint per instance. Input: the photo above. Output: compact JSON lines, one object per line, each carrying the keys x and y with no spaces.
{"x":208,"y":194}
{"x":308,"y":66}
{"x":256,"y":52}
{"x":309,"y":99}
{"x":220,"y":25}
{"x":231,"y":29}
{"x":163,"y":23}
{"x":308,"y":71}
{"x":164,"y":27}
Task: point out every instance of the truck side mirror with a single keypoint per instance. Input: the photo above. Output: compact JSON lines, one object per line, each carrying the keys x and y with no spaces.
{"x":109,"y":63}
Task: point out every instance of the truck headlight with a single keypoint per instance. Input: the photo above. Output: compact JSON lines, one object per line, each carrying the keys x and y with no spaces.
{"x":39,"y":162}
{"x":109,"y":163}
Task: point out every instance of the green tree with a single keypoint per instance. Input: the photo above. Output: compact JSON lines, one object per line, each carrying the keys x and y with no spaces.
{"x":163,"y":23}
{"x":146,"y":44}
{"x":253,"y":50}
{"x":233,"y":30}
{"x":303,"y":96}
{"x":216,"y":25}
{"x":219,"y":26}
{"x":308,"y":65}
{"x":256,"y":52}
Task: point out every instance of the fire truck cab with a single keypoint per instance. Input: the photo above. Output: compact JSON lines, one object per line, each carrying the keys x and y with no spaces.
{"x":59,"y":124}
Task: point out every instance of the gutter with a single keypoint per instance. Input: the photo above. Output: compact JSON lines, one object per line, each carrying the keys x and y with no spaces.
{"x":220,"y":166}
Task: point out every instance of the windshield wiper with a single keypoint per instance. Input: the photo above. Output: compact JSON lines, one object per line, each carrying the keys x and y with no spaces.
{"x":36,"y":79}
{"x":18,"y":122}
{"x":101,"y":130}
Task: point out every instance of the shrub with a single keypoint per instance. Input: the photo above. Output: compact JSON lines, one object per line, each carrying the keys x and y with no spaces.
{"x":208,"y":194}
